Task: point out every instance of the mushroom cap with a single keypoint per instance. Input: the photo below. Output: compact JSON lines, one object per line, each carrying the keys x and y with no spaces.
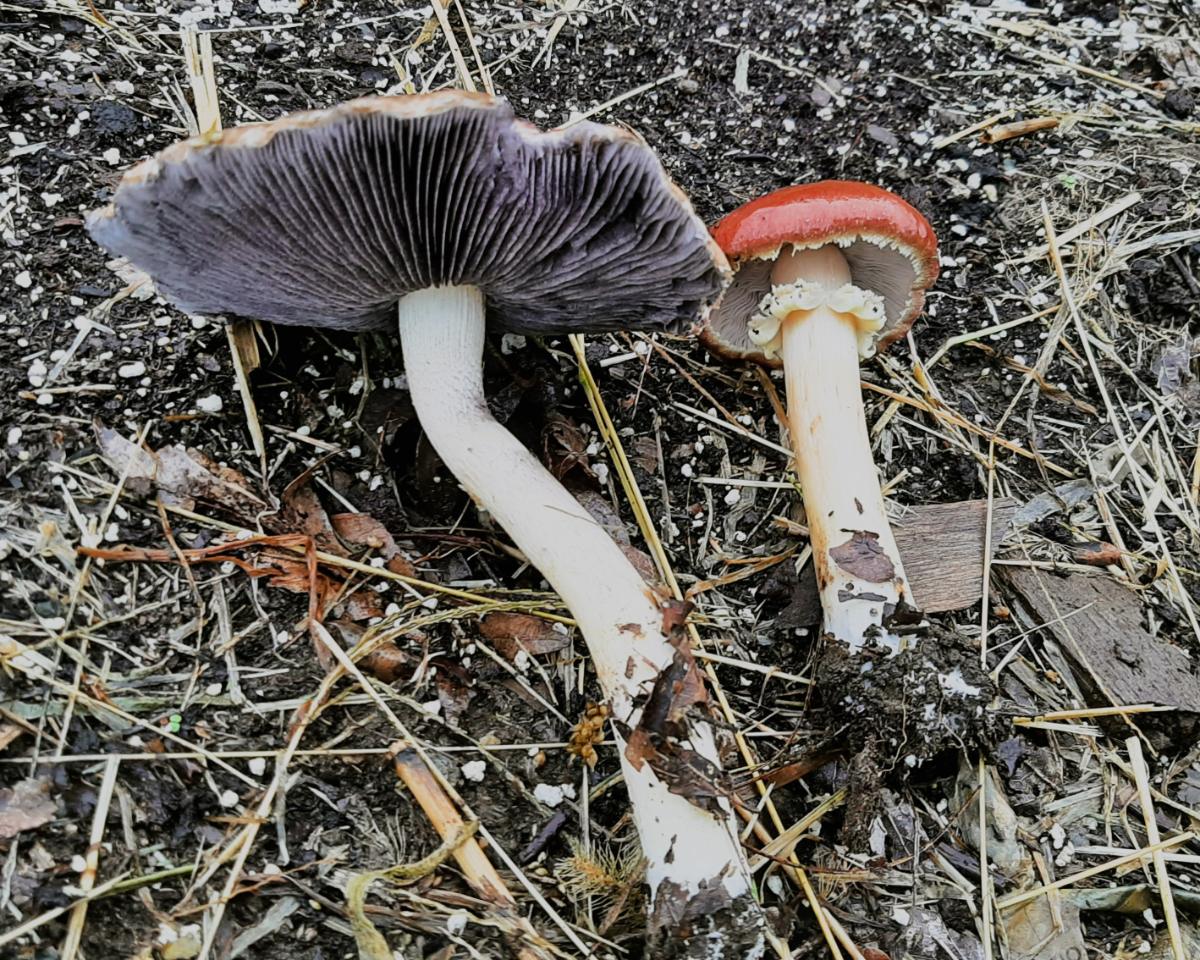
{"x":889,"y":246}
{"x":327,"y":218}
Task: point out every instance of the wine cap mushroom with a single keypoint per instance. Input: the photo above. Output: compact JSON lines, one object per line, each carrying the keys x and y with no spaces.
{"x":828,"y":273}
{"x":329,"y":217}
{"x":442,"y":213}
{"x":890,"y":248}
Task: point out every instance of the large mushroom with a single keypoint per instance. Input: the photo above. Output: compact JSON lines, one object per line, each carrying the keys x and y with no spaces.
{"x":826,"y":274}
{"x":445,"y":212}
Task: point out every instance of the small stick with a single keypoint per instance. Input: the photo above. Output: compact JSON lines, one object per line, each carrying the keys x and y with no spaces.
{"x":243,"y":344}
{"x":1016,"y":899}
{"x":464,"y":72}
{"x":1146,"y":802}
{"x":987,"y":895}
{"x":444,"y":816}
{"x":243,"y":349}
{"x":1081,"y":228}
{"x":1007,"y":131}
{"x":476,"y":867}
{"x":87,"y":879}
{"x":823,"y":916}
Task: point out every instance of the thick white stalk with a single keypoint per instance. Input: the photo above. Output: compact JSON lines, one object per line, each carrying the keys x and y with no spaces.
{"x":687,"y":848}
{"x":858,"y":567}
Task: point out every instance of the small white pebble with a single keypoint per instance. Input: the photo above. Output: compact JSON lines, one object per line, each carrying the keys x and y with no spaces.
{"x":474,"y":770}
{"x":456,"y":923}
{"x":210,"y":404}
{"x":23,"y":280}
{"x":78,"y":863}
{"x":257,"y":766}
{"x":112,"y":156}
{"x":732,"y":497}
{"x":549,"y":794}
{"x":213,"y":690}
{"x":132,"y":370}
{"x":228,"y":799}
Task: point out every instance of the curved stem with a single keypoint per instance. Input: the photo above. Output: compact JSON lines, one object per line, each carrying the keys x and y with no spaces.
{"x":689,"y":851}
{"x":858,"y":566}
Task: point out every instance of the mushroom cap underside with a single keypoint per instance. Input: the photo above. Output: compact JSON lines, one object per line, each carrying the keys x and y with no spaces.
{"x":889,"y":246}
{"x":327,"y":218}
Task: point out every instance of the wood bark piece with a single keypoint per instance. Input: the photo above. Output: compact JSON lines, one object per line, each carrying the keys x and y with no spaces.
{"x":942,"y":546}
{"x":1099,"y":625}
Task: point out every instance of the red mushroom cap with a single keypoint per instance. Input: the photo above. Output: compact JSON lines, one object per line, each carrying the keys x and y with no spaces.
{"x":889,"y":246}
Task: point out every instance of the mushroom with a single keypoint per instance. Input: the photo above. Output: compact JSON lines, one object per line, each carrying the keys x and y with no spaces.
{"x":443,"y":211}
{"x":828,"y":273}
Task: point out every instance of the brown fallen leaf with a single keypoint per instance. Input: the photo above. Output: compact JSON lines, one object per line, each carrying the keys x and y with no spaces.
{"x":301,"y":512}
{"x":363,"y":530}
{"x":26,"y":805}
{"x":565,"y":446}
{"x":453,"y":687}
{"x":678,"y":694}
{"x":388,"y":663}
{"x":363,"y":605}
{"x":510,"y":633}
{"x":182,"y":476}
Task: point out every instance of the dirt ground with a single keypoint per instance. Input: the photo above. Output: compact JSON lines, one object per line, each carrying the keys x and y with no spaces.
{"x":1072,"y":394}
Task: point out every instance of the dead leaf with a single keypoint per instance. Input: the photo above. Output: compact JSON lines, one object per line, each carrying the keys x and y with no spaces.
{"x":644,"y":454}
{"x":642,"y":563}
{"x":603,"y":513}
{"x":26,"y":805}
{"x":388,"y":663}
{"x":301,"y":512}
{"x":565,"y":446}
{"x":863,"y":557}
{"x":182,"y":476}
{"x":127,"y":459}
{"x":363,"y":605}
{"x":453,"y":687}
{"x":186,"y":475}
{"x":510,"y":633}
{"x":363,"y":530}
{"x":677,"y":692}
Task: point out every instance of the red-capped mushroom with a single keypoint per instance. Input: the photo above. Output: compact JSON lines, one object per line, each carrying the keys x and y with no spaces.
{"x":828,"y":273}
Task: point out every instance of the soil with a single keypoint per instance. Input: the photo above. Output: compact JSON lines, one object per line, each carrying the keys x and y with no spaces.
{"x":738,"y":99}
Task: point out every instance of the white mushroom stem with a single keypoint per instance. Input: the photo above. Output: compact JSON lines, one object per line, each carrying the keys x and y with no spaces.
{"x":687,"y":849}
{"x":858,"y":567}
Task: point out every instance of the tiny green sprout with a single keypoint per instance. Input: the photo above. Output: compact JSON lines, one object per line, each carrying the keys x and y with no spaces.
{"x":1068,"y":180}
{"x":174,"y":723}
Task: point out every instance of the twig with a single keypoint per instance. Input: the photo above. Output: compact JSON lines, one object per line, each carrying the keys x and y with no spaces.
{"x":87,"y":880}
{"x":1140,"y":775}
{"x":1024,"y":896}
